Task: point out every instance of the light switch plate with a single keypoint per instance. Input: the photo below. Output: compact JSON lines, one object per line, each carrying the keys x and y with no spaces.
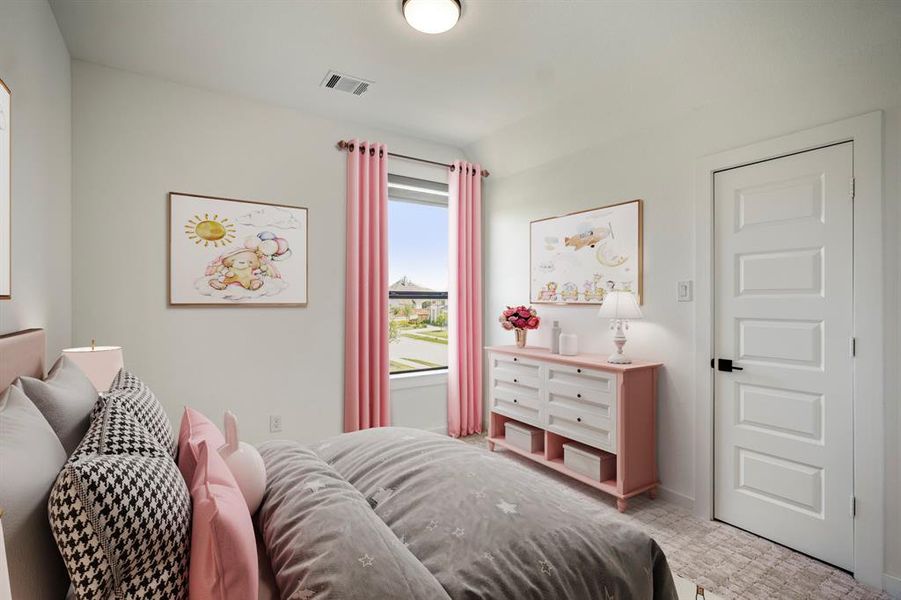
{"x":685,"y":291}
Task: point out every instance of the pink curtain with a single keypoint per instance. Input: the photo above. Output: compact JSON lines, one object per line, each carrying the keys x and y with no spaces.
{"x":464,"y":382}
{"x":366,"y":288}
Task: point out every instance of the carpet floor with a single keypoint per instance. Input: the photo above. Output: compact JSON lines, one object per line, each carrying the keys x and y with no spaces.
{"x":726,"y":561}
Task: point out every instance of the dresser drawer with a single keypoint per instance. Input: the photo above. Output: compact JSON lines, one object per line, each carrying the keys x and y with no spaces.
{"x":587,"y":426}
{"x":582,"y":395}
{"x":517,"y":395}
{"x":502,"y":375}
{"x":516,"y":365}
{"x":581,"y":380}
{"x":517,"y":411}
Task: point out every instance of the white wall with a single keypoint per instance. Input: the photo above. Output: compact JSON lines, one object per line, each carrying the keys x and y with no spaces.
{"x":35,"y":64}
{"x":135,"y":139}
{"x":656,"y":162}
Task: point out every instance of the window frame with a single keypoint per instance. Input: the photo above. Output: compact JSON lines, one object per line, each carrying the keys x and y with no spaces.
{"x":418,"y":191}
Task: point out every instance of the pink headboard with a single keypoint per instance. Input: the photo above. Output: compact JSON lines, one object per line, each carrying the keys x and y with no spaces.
{"x":21,"y":353}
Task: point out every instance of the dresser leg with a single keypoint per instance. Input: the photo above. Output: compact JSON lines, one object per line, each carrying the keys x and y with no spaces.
{"x":652,"y":493}
{"x":621,"y":504}
{"x":491,"y":446}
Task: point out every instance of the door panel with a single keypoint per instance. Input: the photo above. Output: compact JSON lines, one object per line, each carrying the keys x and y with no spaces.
{"x":783,"y":290}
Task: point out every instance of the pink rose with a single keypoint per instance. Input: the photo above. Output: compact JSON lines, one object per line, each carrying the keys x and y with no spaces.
{"x":508,"y":312}
{"x":533,"y":322}
{"x":520,"y":323}
{"x":507,"y":325}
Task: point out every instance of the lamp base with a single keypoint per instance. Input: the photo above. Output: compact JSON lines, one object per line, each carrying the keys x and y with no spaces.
{"x":619,"y":339}
{"x":619,"y":359}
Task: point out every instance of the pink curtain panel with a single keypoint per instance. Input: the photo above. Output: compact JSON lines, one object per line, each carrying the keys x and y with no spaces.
{"x":464,"y":382}
{"x":366,"y":364}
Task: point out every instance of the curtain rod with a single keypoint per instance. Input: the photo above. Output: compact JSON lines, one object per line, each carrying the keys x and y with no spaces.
{"x":342,"y":145}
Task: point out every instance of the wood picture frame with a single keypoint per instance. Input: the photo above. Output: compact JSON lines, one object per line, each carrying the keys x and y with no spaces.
{"x":575,"y":258}
{"x":231,"y":252}
{"x":6,"y":192}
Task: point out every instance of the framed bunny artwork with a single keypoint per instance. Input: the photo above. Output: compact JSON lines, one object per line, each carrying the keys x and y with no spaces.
{"x":227,"y":252}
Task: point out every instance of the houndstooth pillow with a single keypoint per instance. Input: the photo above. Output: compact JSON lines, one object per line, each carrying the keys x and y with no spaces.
{"x":132,"y":393}
{"x":115,"y":430}
{"x":121,"y":513}
{"x":123,"y":524}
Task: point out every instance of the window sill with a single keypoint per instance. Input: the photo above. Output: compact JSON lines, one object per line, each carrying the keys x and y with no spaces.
{"x":403,"y":381}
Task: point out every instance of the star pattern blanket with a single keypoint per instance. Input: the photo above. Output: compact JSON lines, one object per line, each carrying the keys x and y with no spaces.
{"x":401,"y":513}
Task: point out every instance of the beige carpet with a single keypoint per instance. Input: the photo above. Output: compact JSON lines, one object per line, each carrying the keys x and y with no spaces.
{"x":727,"y":562}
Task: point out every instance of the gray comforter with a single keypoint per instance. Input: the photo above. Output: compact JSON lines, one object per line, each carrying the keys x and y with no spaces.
{"x":401,"y":513}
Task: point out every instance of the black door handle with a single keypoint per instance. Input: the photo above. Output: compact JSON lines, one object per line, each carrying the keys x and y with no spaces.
{"x":725,"y":365}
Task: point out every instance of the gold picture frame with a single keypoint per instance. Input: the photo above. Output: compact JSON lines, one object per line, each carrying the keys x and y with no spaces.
{"x":226,"y":252}
{"x":590,"y":257}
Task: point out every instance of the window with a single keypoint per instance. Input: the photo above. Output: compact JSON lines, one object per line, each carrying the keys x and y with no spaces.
{"x":417,"y":269}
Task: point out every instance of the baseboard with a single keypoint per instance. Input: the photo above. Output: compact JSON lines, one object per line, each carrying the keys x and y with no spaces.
{"x":676,"y":498}
{"x":892,"y":585}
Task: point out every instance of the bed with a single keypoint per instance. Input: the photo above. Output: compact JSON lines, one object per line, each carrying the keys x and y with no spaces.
{"x":401,"y":513}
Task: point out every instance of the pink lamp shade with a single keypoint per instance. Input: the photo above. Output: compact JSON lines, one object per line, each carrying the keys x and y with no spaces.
{"x":99,"y":363}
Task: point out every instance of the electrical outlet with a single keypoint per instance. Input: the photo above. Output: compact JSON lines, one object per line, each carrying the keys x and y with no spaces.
{"x":685,"y":291}
{"x":275,"y":423}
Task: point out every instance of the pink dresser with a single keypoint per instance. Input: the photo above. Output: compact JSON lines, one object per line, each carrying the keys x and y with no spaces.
{"x":583,"y":399}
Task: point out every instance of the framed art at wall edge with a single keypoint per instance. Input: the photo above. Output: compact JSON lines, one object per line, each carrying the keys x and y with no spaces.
{"x":5,"y":192}
{"x":578,"y":257}
{"x":227,"y":252}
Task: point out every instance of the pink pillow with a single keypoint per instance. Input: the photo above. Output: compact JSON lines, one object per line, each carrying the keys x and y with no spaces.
{"x":223,"y":545}
{"x":195,"y":428}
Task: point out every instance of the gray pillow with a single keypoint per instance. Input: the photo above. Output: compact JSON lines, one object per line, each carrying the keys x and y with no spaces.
{"x":30,"y":460}
{"x":65,"y":399}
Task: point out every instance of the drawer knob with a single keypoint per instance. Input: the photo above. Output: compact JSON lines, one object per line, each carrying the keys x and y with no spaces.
{"x":579,"y":419}
{"x":515,"y":401}
{"x":578,"y":370}
{"x":515,"y":359}
{"x":515,"y":380}
{"x":578,"y":395}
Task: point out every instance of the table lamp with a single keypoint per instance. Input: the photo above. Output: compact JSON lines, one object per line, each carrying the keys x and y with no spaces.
{"x":619,"y":307}
{"x":99,"y":363}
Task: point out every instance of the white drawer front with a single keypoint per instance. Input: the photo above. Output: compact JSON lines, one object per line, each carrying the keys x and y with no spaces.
{"x":517,"y":411}
{"x":515,"y":395}
{"x":582,"y":380}
{"x":601,"y":407}
{"x":581,"y":395}
{"x":583,"y":425}
{"x":516,"y":365}
{"x":529,"y":380}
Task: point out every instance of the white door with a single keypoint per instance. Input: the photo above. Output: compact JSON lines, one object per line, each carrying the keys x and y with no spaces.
{"x":783,"y":299}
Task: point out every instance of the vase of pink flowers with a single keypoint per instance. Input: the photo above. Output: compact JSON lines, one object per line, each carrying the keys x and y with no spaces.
{"x":520,"y":319}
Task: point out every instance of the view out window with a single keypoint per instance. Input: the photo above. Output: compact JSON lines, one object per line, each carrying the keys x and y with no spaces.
{"x":417,"y":268}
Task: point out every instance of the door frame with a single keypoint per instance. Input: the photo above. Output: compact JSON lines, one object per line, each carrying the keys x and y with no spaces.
{"x":868,"y":297}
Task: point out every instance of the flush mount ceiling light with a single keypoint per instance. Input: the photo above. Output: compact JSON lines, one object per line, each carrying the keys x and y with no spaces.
{"x":432,"y":16}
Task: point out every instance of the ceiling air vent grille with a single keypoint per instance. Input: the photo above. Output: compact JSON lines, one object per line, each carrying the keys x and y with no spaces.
{"x":345,"y":83}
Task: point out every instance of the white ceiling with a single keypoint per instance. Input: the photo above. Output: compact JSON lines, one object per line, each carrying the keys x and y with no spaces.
{"x":505,"y":60}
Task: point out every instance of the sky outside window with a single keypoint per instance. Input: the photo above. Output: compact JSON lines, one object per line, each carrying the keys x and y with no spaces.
{"x":417,"y":243}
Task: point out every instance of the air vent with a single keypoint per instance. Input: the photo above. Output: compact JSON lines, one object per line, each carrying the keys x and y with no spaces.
{"x":345,"y":83}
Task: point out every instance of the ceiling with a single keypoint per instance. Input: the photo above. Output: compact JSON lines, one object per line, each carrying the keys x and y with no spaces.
{"x":505,"y":60}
